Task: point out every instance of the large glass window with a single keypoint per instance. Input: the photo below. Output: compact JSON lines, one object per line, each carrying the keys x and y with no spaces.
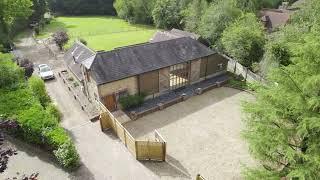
{"x":179,"y":75}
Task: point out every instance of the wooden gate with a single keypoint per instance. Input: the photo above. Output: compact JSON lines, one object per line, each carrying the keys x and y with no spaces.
{"x":110,"y":102}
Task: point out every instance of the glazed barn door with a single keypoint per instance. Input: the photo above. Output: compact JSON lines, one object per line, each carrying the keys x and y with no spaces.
{"x":110,"y":102}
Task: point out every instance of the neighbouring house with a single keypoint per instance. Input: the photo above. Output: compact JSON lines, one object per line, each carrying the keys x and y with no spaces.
{"x":153,"y":68}
{"x":275,"y":18}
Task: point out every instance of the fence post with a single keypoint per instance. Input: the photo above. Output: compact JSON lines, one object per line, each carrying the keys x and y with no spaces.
{"x":136,"y":149}
{"x":235,"y":67}
{"x":246,"y":74}
{"x":125,"y":137}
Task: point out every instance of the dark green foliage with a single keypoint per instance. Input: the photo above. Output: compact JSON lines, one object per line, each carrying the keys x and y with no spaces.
{"x":38,"y":88}
{"x":166,"y":14}
{"x":244,"y":40}
{"x":193,"y":14}
{"x":216,"y":18}
{"x":136,"y":11}
{"x":131,"y":101}
{"x":39,"y":8}
{"x":82,"y":7}
{"x":282,"y":125}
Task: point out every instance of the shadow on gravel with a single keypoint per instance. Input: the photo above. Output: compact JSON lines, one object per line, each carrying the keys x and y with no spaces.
{"x":171,"y":168}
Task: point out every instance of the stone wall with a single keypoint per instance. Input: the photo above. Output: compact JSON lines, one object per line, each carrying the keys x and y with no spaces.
{"x":195,"y":71}
{"x":164,"y":79}
{"x":130,"y":84}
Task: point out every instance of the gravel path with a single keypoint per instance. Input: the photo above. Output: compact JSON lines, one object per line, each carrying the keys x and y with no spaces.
{"x":202,"y":134}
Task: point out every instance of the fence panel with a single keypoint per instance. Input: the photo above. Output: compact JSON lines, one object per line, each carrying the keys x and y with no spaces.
{"x":142,"y":150}
{"x":131,"y":144}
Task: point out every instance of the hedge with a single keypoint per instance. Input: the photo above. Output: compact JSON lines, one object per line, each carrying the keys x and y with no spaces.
{"x":38,"y":119}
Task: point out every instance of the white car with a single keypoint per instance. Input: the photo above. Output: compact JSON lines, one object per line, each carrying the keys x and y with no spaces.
{"x":45,"y":72}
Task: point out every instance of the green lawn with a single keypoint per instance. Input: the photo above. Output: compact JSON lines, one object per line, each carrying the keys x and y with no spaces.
{"x":101,"y":33}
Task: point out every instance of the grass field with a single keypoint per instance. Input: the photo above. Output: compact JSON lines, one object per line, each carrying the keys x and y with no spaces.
{"x":101,"y":33}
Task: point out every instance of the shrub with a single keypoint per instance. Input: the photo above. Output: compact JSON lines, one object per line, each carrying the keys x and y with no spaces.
{"x":38,"y":88}
{"x":33,"y":122}
{"x":56,"y":137}
{"x":67,"y":155}
{"x":131,"y":101}
{"x":60,"y":38}
{"x":54,"y":111}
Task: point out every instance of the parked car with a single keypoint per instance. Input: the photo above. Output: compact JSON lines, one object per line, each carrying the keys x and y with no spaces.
{"x":45,"y":72}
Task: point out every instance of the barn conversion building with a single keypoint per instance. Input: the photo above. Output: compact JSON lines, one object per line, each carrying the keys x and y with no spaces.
{"x":152,"y":68}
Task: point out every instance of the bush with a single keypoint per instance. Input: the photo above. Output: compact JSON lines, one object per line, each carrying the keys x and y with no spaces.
{"x":67,"y":155}
{"x":54,"y":111}
{"x":131,"y":101}
{"x":56,"y":137}
{"x":38,"y":88}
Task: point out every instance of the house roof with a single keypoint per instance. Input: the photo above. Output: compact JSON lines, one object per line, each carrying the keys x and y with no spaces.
{"x":173,"y":34}
{"x":77,"y":54}
{"x":133,"y":60}
{"x":275,"y":17}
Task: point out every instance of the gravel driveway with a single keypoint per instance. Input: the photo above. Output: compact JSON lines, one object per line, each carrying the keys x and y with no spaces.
{"x":202,"y":134}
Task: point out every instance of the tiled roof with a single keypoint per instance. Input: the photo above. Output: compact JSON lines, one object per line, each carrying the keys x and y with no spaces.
{"x":133,"y":60}
{"x":75,"y":56}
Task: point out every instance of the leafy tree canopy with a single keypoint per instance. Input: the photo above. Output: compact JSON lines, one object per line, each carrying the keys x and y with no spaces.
{"x":244,"y":39}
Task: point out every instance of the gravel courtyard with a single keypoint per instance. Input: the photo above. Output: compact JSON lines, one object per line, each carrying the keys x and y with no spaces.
{"x":203,"y":136}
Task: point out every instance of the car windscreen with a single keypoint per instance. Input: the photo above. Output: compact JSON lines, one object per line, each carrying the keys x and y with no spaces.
{"x":45,"y":69}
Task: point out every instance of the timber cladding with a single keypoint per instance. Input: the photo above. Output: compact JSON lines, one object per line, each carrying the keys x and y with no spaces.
{"x":142,"y":150}
{"x":149,"y":82}
{"x":213,"y":64}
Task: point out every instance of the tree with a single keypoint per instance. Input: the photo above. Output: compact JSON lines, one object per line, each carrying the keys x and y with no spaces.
{"x":9,"y":11}
{"x":283,"y":124}
{"x":193,"y":14}
{"x":166,"y":14}
{"x":244,"y":40}
{"x":137,"y":11}
{"x":60,"y":38}
{"x":216,"y":18}
{"x":39,"y":9}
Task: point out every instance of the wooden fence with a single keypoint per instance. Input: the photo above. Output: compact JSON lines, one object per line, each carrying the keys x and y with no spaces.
{"x":238,"y":69}
{"x":199,"y":177}
{"x":142,"y":150}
